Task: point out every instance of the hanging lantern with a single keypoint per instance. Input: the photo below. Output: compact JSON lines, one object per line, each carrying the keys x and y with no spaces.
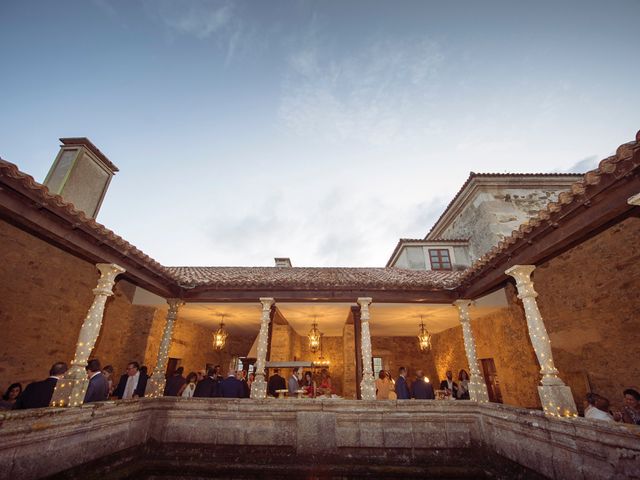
{"x":424,"y":337}
{"x":220,"y":337}
{"x":314,"y":337}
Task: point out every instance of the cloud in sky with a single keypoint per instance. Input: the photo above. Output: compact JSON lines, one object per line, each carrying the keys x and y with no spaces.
{"x":378,"y":95}
{"x":335,"y":230}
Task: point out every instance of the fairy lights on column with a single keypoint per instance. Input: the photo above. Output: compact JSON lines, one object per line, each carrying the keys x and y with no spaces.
{"x":157,"y":381}
{"x":368,"y":384}
{"x":70,"y":391}
{"x":477,"y":386}
{"x":556,"y":397}
{"x":259,"y":385}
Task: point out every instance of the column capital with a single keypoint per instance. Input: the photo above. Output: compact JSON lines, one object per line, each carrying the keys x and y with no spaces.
{"x":267,"y":302}
{"x":522,"y":275}
{"x":108,"y":274}
{"x":364,"y":301}
{"x":174,"y":305}
{"x":463,"y":303}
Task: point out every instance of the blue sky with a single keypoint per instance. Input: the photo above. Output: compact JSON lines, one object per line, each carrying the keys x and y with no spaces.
{"x":321,"y":131}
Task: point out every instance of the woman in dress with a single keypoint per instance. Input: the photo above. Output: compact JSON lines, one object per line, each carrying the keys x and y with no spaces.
{"x":308,"y":385}
{"x":10,"y":396}
{"x":190,"y":386}
{"x":383,"y":386}
{"x":463,"y":385}
{"x":325,"y":383}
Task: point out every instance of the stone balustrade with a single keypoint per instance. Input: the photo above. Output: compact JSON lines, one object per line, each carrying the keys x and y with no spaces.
{"x":37,"y":443}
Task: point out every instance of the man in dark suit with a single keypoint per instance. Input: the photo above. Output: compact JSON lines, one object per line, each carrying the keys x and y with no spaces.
{"x":449,"y":386}
{"x":402,"y":389}
{"x":174,"y":383}
{"x":132,"y":384}
{"x":421,"y":389}
{"x":98,"y":389}
{"x":232,"y":386}
{"x":38,"y":394}
{"x":208,"y":387}
{"x":276,"y":382}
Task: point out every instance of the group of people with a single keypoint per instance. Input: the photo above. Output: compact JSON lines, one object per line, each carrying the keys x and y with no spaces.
{"x":596,"y":407}
{"x":209,"y":384}
{"x":300,"y":383}
{"x":420,"y":388}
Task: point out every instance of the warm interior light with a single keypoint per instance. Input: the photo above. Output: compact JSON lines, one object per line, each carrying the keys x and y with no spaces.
{"x":314,"y":337}
{"x":424,"y":337}
{"x":426,"y":379}
{"x":220,"y":337}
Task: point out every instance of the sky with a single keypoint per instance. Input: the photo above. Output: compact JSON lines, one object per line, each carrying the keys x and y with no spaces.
{"x":322,"y":131}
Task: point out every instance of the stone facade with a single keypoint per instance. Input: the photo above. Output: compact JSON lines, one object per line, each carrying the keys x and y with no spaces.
{"x":44,"y":297}
{"x":423,"y":434}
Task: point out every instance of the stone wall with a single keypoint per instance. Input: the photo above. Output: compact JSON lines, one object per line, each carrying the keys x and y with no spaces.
{"x":405,"y":352}
{"x":589,"y":300}
{"x":495,"y":212}
{"x":45,"y":294}
{"x":502,"y":336}
{"x":37,"y":443}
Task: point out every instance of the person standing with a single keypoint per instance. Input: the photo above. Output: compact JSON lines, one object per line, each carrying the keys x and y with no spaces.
{"x":383,"y":386}
{"x":449,"y":386}
{"x":294,"y":382}
{"x":276,"y":382}
{"x":108,"y":374}
{"x":8,"y":401}
{"x":98,"y":389}
{"x":402,"y":388}
{"x":174,"y":383}
{"x":208,"y":386}
{"x":463,"y":385}
{"x":132,"y":384}
{"x":422,"y":390}
{"x":38,"y":394}
{"x":231,"y":387}
{"x":189,"y":387}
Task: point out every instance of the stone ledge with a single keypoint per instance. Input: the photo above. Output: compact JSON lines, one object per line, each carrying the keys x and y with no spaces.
{"x":37,"y":443}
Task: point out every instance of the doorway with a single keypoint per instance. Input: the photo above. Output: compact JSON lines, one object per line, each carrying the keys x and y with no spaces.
{"x":172,"y":366}
{"x":491,"y":379}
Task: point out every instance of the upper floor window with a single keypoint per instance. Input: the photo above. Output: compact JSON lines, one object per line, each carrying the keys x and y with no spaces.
{"x":440,"y":259}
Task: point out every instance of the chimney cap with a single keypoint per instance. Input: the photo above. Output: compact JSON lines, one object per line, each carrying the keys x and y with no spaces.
{"x":85,"y":142}
{"x":283,"y":262}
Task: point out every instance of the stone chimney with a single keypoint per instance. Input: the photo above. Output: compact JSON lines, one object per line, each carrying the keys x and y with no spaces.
{"x":81,"y":175}
{"x":283,"y":262}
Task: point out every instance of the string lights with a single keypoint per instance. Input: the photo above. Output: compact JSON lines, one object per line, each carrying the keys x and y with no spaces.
{"x":367,"y":385}
{"x":259,"y":385}
{"x":556,"y":397}
{"x":157,"y":381}
{"x":71,"y":391}
{"x":477,"y":387}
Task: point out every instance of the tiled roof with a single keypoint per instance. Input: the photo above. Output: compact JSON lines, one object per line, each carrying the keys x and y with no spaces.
{"x":473,"y":175}
{"x":317,"y":278}
{"x":12,"y":176}
{"x":626,"y":159}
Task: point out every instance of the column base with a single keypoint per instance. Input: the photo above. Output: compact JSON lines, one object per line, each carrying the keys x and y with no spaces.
{"x":70,"y":392}
{"x":478,"y":390}
{"x":155,"y":386}
{"x":368,"y":387}
{"x":259,"y":388}
{"x":557,"y":401}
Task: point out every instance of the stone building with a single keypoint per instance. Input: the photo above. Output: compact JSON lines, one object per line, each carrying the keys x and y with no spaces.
{"x":472,"y":280}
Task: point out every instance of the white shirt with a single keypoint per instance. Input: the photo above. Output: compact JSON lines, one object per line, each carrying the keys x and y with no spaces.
{"x":132,"y":383}
{"x":594,"y":413}
{"x":188,"y":390}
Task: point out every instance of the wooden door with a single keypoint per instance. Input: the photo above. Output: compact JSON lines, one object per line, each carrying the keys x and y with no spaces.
{"x":491,"y":379}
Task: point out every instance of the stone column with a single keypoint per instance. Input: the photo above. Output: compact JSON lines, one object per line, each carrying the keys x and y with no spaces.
{"x":368,"y":384}
{"x":70,"y":391}
{"x":259,"y":385}
{"x":155,"y":386}
{"x":556,"y":397}
{"x":477,"y":386}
